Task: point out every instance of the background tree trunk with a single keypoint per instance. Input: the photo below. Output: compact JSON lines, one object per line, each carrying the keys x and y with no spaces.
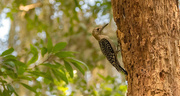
{"x":148,"y":31}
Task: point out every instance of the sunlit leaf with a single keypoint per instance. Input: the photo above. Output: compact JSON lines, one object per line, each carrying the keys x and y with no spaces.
{"x":68,"y":68}
{"x":59,"y":46}
{"x":9,"y":51}
{"x":64,"y":89}
{"x":108,"y":89}
{"x":123,"y":88}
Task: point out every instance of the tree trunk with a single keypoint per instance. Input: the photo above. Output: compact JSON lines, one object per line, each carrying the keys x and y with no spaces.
{"x":149,"y":34}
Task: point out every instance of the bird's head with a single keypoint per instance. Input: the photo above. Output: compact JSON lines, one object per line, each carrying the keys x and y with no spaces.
{"x":98,"y":31}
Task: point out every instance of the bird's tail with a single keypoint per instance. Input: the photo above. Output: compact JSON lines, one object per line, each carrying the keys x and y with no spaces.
{"x":119,"y":68}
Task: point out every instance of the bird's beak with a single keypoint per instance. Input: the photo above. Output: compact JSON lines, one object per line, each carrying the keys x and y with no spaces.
{"x":103,"y":27}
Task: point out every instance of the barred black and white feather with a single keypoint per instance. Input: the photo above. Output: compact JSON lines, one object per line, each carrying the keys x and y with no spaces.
{"x":110,"y":54}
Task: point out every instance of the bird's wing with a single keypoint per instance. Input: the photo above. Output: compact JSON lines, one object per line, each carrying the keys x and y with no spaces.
{"x":107,"y":50}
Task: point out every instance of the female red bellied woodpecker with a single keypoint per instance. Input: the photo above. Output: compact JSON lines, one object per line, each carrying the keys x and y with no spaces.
{"x":108,"y":48}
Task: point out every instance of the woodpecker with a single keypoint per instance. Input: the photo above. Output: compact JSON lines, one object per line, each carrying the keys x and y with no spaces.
{"x":108,"y":48}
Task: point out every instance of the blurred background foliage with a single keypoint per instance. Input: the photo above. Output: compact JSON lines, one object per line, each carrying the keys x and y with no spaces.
{"x":50,"y":50}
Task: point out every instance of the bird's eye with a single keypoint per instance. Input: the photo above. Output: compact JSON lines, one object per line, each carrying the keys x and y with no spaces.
{"x":98,"y":29}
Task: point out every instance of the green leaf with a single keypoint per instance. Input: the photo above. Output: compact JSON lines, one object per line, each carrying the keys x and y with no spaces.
{"x":43,"y":51}
{"x":60,"y":74}
{"x":10,"y":64}
{"x":46,"y":75}
{"x":49,"y":45}
{"x":24,"y":77}
{"x":6,"y":92}
{"x":3,"y":81}
{"x":102,"y":76}
{"x":80,"y":62}
{"x":29,"y":87}
{"x":60,"y":65}
{"x":35,"y":55}
{"x":47,"y":81}
{"x":33,"y":59}
{"x":54,"y":71}
{"x":108,"y":89}
{"x":78,"y":67}
{"x":11,"y":74}
{"x":77,"y":64}
{"x":11,"y":57}
{"x":21,"y":64}
{"x":11,"y":89}
{"x":9,"y":51}
{"x":64,"y":54}
{"x":21,"y":70}
{"x":123,"y":88}
{"x":69,"y":68}
{"x":33,"y":49}
{"x":50,"y":65}
{"x":59,"y":46}
{"x":10,"y":15}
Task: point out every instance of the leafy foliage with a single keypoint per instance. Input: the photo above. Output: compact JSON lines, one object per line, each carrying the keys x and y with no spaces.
{"x":106,"y":86}
{"x":9,"y":51}
{"x":12,"y":67}
{"x":43,"y":67}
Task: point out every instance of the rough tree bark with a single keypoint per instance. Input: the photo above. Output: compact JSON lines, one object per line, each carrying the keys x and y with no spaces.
{"x":149,"y":34}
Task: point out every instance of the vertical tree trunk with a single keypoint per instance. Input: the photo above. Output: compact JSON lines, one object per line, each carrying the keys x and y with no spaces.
{"x":149,"y":34}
